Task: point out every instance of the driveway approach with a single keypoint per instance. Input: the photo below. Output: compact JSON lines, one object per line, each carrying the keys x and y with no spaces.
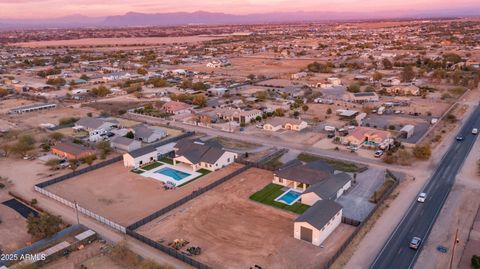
{"x":420,"y":217}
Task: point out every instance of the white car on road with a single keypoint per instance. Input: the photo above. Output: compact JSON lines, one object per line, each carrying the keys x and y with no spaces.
{"x":422,"y":197}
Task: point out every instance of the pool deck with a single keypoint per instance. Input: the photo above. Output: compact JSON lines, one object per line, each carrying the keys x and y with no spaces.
{"x":165,"y":178}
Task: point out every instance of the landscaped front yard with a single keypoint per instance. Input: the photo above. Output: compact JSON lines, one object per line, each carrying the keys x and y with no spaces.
{"x":268,"y":194}
{"x":336,"y":164}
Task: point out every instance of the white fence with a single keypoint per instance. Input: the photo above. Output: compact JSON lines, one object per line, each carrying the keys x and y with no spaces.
{"x":82,"y":210}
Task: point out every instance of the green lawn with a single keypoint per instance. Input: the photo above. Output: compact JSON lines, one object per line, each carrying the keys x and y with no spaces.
{"x":151,"y":166}
{"x":268,"y":194}
{"x":166,"y":160}
{"x":201,"y":171}
{"x":336,"y":164}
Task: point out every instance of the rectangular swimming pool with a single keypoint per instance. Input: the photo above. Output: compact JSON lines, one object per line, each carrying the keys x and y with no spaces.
{"x":172,"y":173}
{"x":289,"y":197}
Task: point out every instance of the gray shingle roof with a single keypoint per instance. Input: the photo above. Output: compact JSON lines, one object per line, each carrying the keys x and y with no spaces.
{"x":143,"y":151}
{"x":122,"y":140}
{"x":320,"y":213}
{"x":308,"y":174}
{"x":327,"y":189}
{"x":197,"y":153}
{"x":93,"y":123}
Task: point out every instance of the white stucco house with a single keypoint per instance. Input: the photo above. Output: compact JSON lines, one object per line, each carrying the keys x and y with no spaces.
{"x":198,"y":156}
{"x":148,"y":134}
{"x":330,"y":188}
{"x":140,"y":157}
{"x":279,"y":123}
{"x":97,"y":128}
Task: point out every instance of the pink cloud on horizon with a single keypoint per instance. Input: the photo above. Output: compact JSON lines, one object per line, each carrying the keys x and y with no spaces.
{"x":56,"y":8}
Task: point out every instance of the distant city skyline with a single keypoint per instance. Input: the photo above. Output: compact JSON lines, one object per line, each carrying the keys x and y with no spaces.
{"x":38,"y":9}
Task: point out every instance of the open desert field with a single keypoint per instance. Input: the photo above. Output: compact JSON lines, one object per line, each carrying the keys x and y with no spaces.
{"x":243,"y":66}
{"x":13,"y":230}
{"x":123,"y":196}
{"x":114,"y":41}
{"x":235,"y":232}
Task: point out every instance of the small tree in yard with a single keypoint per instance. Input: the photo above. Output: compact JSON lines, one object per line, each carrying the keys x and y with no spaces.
{"x":130,"y":135}
{"x":89,"y":159}
{"x":104,"y":148}
{"x":52,"y":163}
{"x":475,"y":261}
{"x":329,"y":111}
{"x":23,"y":145}
{"x":305,"y":108}
{"x":422,"y":152}
{"x":56,"y":136}
{"x":44,"y":225}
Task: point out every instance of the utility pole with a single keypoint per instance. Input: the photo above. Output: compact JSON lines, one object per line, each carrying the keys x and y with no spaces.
{"x":76,"y":211}
{"x":455,"y":242}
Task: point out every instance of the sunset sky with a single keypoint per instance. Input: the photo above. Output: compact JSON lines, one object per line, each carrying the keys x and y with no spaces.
{"x":57,"y":8}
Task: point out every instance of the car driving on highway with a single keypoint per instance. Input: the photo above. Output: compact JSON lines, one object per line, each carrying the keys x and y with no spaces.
{"x":421,"y":198}
{"x":459,"y":138}
{"x":474,"y":131}
{"x":415,"y":242}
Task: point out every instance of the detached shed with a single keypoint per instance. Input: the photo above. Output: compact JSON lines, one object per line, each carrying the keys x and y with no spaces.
{"x":318,"y":222}
{"x":407,"y":131}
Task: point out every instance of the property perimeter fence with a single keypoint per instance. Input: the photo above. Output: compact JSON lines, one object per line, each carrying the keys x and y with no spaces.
{"x":361,"y":224}
{"x":201,"y":191}
{"x":186,"y":199}
{"x":168,"y":250}
{"x":107,"y":162}
{"x":40,"y":187}
{"x":82,"y":210}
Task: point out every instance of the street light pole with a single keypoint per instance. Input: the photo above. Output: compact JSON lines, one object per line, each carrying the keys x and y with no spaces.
{"x":455,"y":242}
{"x":76,"y":211}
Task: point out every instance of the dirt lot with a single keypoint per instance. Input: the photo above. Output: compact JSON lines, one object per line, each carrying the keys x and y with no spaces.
{"x":123,"y":196}
{"x":47,"y":116}
{"x":305,"y":136}
{"x":115,"y":41}
{"x":243,"y":66}
{"x":235,"y":232}
{"x":13,"y":230}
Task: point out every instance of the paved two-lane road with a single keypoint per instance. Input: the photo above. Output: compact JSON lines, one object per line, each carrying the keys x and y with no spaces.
{"x":420,"y":217}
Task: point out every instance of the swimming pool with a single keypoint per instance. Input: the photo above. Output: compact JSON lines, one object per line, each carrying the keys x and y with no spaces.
{"x":172,"y":173}
{"x":289,"y":197}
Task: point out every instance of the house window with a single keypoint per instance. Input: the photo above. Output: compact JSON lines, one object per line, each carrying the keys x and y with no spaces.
{"x":228,"y":160}
{"x":141,"y":162}
{"x":280,"y":180}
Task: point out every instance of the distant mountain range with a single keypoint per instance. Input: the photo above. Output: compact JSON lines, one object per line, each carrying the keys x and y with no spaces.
{"x":207,"y":18}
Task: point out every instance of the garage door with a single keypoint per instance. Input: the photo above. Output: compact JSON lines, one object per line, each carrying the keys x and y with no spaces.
{"x":306,"y":234}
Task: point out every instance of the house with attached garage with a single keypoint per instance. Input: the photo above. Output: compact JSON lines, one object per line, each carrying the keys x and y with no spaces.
{"x":330,"y":188}
{"x":148,"y":134}
{"x":318,"y":222}
{"x":140,"y":157}
{"x":299,"y":176}
{"x":318,"y":186}
{"x":279,"y":123}
{"x":97,"y":128}
{"x":71,"y":151}
{"x":198,"y":155}
{"x":176,"y":108}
